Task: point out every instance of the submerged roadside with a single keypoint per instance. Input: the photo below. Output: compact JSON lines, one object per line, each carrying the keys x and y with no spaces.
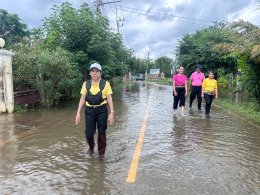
{"x":247,"y":110}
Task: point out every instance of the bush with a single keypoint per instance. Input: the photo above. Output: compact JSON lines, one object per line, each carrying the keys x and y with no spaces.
{"x":50,"y":72}
{"x":223,"y":87}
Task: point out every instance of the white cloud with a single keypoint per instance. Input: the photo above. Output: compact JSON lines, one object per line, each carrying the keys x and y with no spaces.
{"x":250,"y":13}
{"x":155,"y":33}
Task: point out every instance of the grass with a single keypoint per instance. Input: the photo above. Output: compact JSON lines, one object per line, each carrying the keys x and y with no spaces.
{"x":248,"y":110}
{"x":161,"y":81}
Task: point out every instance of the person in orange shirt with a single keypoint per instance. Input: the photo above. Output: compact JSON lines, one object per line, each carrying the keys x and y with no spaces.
{"x":209,"y":91}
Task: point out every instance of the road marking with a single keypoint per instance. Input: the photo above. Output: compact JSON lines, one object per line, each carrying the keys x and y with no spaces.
{"x":134,"y":164}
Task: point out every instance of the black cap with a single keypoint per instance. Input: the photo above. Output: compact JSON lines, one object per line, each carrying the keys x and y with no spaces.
{"x":199,"y":66}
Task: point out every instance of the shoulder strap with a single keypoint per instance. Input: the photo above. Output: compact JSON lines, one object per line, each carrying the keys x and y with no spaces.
{"x":102,"y":84}
{"x":88,"y":85}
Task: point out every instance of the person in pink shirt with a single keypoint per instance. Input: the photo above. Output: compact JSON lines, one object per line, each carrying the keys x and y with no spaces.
{"x":179,"y":82}
{"x":196,"y":79}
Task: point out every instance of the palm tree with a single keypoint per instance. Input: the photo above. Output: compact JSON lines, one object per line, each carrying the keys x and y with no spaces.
{"x":245,"y":44}
{"x":244,"y":39}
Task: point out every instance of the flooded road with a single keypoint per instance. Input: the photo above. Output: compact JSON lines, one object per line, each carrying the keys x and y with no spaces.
{"x":45,"y":152}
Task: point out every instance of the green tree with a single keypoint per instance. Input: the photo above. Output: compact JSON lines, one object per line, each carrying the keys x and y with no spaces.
{"x":137,"y":65}
{"x":165,"y":65}
{"x":50,"y":72}
{"x":86,"y":35}
{"x":197,"y":48}
{"x":12,"y":29}
{"x":245,"y":46}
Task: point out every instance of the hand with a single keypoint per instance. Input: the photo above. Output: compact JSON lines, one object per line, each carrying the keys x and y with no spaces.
{"x":175,"y":93}
{"x":77,"y":120}
{"x":202,"y":95}
{"x":216,"y":97}
{"x":186,"y":93}
{"x":111,"y":118}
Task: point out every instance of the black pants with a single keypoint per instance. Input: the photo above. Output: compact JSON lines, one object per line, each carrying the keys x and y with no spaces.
{"x":95,"y":118}
{"x":209,"y":99}
{"x":196,"y":91}
{"x":179,"y":98}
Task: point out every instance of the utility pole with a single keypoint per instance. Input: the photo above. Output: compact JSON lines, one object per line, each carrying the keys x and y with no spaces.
{"x":117,"y":22}
{"x":100,"y":3}
{"x":147,"y":65}
{"x":98,"y":6}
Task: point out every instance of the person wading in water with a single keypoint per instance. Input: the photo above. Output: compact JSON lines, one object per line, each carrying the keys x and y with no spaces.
{"x":179,"y":83}
{"x":196,"y":79}
{"x":209,"y":91}
{"x":95,"y":95}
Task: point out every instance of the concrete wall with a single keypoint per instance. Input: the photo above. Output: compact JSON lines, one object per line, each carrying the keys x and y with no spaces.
{"x":6,"y":82}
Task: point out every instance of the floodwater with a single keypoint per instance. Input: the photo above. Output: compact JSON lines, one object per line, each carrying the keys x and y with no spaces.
{"x":45,"y":152}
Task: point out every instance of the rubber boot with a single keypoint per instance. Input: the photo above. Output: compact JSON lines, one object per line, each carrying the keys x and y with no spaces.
{"x":101,"y":146}
{"x":91,"y":144}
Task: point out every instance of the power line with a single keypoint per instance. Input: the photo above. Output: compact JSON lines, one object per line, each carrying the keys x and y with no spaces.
{"x":167,"y":15}
{"x":179,"y":21}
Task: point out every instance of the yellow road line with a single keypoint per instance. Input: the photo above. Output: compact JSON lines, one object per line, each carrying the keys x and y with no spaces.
{"x":134,"y":164}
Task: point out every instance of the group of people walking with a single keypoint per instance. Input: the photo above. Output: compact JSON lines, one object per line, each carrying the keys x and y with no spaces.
{"x":96,"y":93}
{"x":200,"y":88}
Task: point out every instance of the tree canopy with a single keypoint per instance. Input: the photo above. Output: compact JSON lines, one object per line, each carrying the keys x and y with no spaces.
{"x":226,"y":48}
{"x":12,"y":29}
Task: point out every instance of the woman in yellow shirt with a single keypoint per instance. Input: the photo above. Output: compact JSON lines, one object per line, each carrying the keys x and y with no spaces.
{"x":95,"y":95}
{"x":209,"y":91}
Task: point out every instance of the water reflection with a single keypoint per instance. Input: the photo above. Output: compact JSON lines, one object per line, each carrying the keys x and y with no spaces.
{"x":8,"y":145}
{"x":45,"y":152}
{"x":187,"y":134}
{"x":95,"y":182}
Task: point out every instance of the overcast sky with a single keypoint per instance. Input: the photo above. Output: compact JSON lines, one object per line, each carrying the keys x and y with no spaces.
{"x":149,"y":25}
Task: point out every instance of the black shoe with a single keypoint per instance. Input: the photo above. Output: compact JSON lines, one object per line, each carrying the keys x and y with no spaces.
{"x":207,"y":116}
{"x":199,"y":109}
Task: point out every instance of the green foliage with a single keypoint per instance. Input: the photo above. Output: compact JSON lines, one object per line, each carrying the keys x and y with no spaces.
{"x":60,"y":52}
{"x":197,"y":48}
{"x":248,"y":110}
{"x":244,"y":46}
{"x":222,"y":83}
{"x":20,"y":108}
{"x":223,"y":87}
{"x":86,"y":35}
{"x":226,"y":47}
{"x":165,"y":65}
{"x":12,"y":29}
{"x":137,"y":65}
{"x":50,"y":72}
{"x":249,"y":78}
